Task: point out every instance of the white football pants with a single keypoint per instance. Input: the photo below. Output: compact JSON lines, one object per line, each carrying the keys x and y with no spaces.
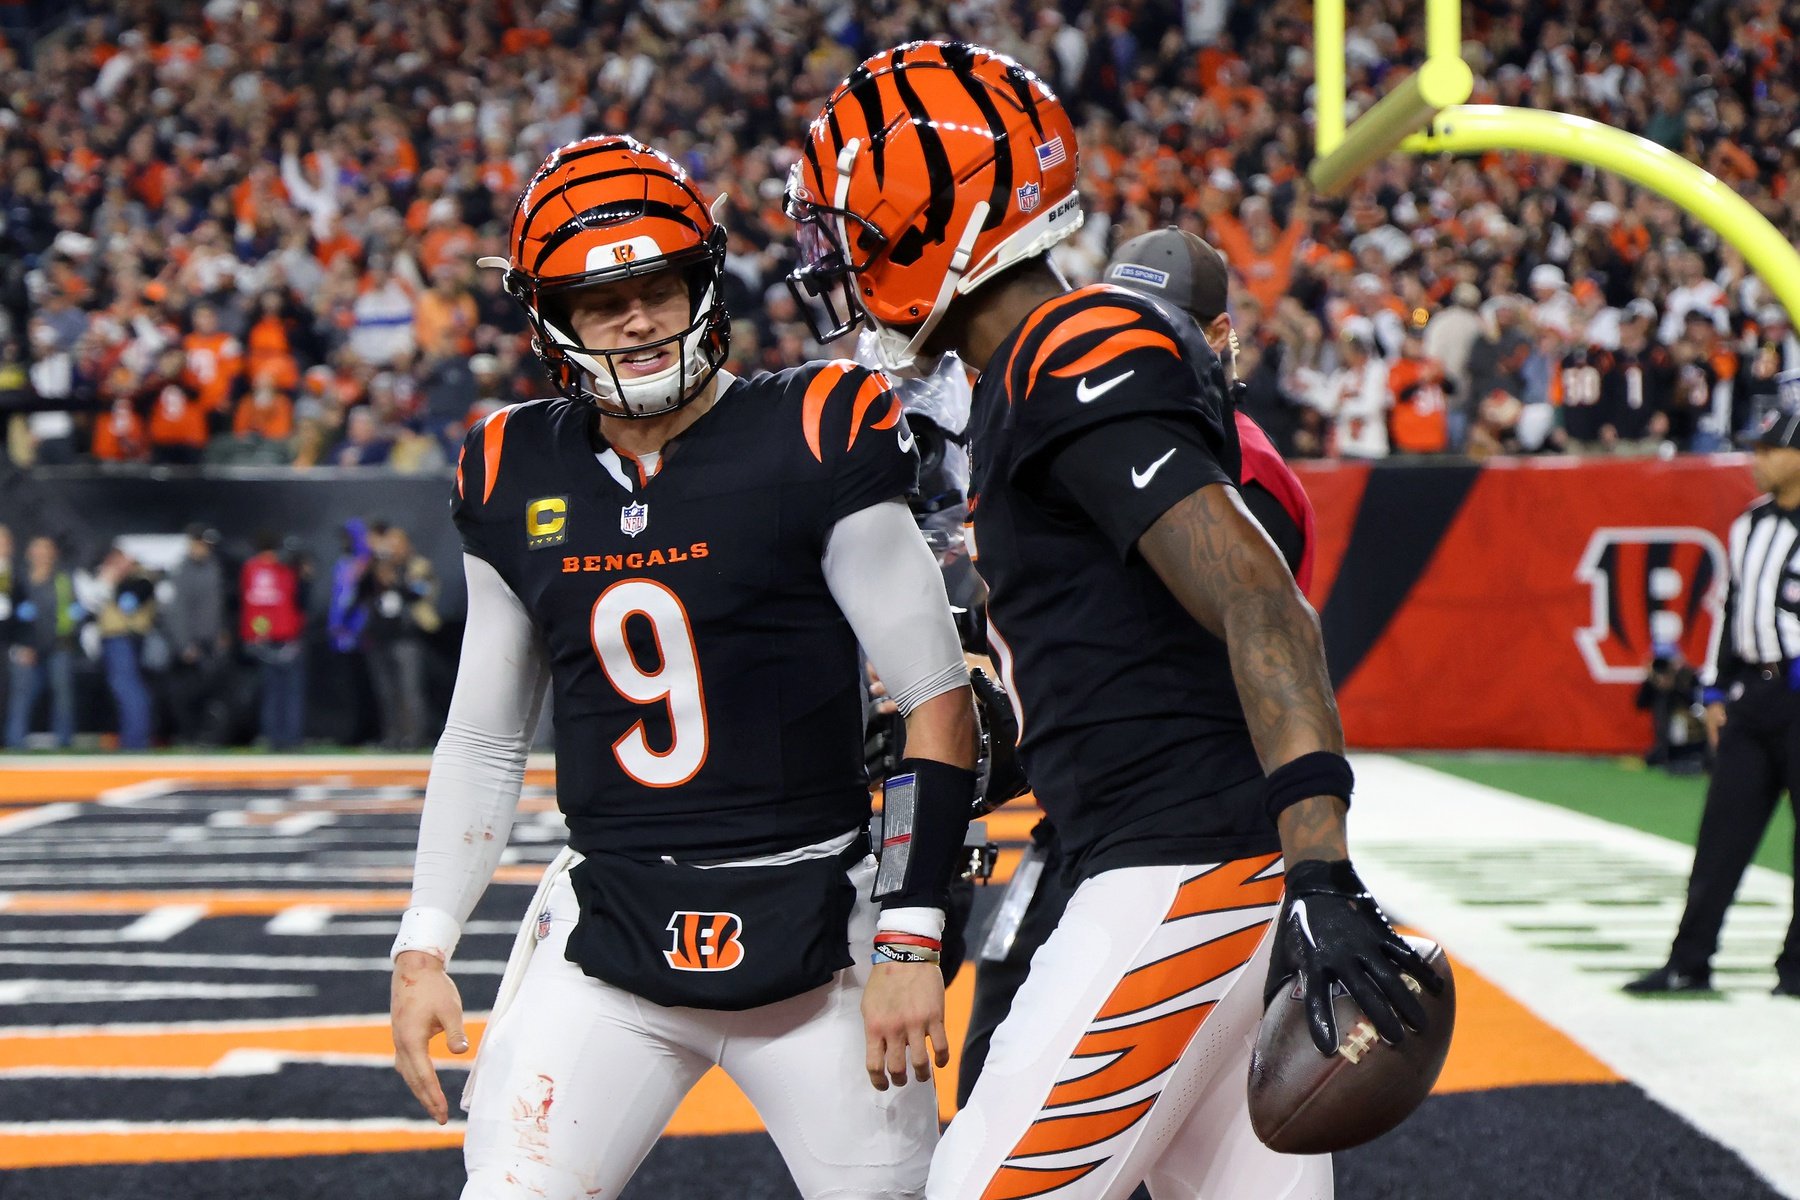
{"x":577,"y":1078}
{"x":1126,"y":1055}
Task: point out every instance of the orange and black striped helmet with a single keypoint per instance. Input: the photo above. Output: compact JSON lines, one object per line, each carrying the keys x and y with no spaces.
{"x":933,"y":167}
{"x":600,"y":210}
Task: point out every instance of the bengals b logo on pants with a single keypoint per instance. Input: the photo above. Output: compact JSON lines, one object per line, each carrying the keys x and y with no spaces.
{"x":705,"y":941}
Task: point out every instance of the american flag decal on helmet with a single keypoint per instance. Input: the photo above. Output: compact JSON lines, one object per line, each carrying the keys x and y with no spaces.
{"x":1051,"y":153}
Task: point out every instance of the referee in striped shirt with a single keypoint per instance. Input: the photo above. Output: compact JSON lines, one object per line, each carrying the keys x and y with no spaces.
{"x":1752,"y":695}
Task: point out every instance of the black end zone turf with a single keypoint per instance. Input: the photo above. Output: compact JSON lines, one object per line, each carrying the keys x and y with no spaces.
{"x":1546,"y":1143}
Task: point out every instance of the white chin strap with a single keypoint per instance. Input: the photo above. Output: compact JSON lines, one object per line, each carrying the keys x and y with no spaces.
{"x":642,"y":395}
{"x":898,"y":350}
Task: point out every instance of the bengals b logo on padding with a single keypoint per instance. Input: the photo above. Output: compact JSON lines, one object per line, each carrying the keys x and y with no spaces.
{"x":705,"y":941}
{"x":1649,"y":589}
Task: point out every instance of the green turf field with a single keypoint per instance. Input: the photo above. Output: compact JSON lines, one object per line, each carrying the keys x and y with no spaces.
{"x":1615,"y":789}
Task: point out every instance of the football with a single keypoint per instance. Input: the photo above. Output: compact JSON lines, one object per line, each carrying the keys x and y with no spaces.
{"x":1304,"y":1102}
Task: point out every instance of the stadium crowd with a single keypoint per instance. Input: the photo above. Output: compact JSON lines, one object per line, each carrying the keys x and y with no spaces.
{"x":242,"y":232}
{"x":194,"y":640}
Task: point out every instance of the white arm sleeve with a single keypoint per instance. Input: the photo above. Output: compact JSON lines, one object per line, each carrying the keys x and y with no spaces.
{"x":479,"y":765}
{"x":888,"y":586}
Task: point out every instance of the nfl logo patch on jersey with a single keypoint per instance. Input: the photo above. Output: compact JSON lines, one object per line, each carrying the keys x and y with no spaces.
{"x":1028,"y":196}
{"x":543,"y":925}
{"x":633,"y":518}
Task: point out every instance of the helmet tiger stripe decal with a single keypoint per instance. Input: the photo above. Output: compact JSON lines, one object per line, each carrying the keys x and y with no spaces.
{"x":601,"y":210}
{"x":933,"y":167}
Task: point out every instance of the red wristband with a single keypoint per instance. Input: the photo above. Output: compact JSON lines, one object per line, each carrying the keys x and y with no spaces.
{"x":907,"y":939}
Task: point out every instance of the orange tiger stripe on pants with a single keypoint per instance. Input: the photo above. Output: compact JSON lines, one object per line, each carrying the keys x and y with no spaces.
{"x":1128,"y":1045}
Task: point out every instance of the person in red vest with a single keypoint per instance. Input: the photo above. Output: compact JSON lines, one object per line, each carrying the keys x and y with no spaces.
{"x":272,"y":624}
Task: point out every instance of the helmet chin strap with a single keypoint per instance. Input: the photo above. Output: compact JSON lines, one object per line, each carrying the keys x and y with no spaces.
{"x":646,"y":395}
{"x":896,"y":350}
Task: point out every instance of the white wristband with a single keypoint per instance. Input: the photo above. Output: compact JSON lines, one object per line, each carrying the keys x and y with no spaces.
{"x":920,"y":922}
{"x":428,"y":929}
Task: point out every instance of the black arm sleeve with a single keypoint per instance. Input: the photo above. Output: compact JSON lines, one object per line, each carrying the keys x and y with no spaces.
{"x":1126,"y":473}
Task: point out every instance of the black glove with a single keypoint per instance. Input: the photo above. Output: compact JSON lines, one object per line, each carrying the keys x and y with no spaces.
{"x":1002,"y":778}
{"x":1331,"y":931}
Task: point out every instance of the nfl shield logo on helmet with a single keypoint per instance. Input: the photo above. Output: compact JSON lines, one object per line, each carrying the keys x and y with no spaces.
{"x":1028,"y":196}
{"x":633,"y":518}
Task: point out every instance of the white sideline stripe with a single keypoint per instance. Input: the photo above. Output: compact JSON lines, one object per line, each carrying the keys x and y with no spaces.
{"x":43,"y":815}
{"x":235,"y":1064}
{"x":162,"y":923}
{"x":131,"y":793}
{"x":302,"y":919}
{"x":171,"y":765}
{"x":303,"y":823}
{"x":245,"y":1025}
{"x":369,"y":1125}
{"x":1726,"y":1066}
{"x":222,"y":962}
{"x":118,"y":991}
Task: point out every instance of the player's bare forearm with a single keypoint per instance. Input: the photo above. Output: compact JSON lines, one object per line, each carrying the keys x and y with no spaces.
{"x":943,"y":729}
{"x":1313,"y":828}
{"x":1223,"y":569}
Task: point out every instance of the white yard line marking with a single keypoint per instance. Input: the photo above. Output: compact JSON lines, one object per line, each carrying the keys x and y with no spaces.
{"x":1559,"y":909}
{"x":221,"y":962}
{"x":43,"y":815}
{"x":370,"y":1125}
{"x":113,"y":991}
{"x":161,"y":924}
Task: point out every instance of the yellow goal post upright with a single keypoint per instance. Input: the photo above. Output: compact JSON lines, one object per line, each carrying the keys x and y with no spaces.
{"x":1428,"y":113}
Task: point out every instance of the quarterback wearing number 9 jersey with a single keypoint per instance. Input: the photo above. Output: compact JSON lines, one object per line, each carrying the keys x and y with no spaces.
{"x":695,"y":564}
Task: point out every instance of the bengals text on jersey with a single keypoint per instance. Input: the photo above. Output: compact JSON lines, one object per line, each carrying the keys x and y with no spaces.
{"x":707,"y":690}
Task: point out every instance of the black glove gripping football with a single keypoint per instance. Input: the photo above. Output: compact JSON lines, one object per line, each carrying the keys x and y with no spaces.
{"x":1331,"y":931}
{"x":1002,"y":778}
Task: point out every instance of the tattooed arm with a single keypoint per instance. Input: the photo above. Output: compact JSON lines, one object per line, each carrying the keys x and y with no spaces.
{"x":1216,"y":560}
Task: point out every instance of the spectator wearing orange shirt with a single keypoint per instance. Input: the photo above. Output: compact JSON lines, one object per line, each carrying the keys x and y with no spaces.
{"x":447,"y":241}
{"x":119,"y":434}
{"x":265,"y":413}
{"x":1418,"y":422}
{"x":175,"y":421}
{"x":445,"y":317}
{"x":1260,"y":251}
{"x":270,"y":351}
{"x":212,"y":360}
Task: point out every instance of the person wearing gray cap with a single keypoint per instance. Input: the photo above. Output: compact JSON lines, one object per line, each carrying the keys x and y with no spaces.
{"x":1751,"y":688}
{"x":1184,"y":271}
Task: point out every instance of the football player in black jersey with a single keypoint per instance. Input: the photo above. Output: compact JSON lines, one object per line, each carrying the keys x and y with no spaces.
{"x":690,"y":561}
{"x":1175,"y":712}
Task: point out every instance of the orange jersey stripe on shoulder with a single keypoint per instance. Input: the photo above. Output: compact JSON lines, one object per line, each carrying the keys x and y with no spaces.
{"x":1119,"y":343}
{"x":1091,"y":320}
{"x":461,"y":452}
{"x":872,"y":388}
{"x":493,"y":440}
{"x":1038,"y":318}
{"x":812,"y":406}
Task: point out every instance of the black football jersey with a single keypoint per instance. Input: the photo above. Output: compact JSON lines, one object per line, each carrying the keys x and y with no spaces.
{"x":1131,"y":729}
{"x":708,"y":691}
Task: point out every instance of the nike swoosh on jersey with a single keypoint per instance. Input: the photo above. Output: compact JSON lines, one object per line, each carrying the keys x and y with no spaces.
{"x":1141,"y":479}
{"x":908,"y":441}
{"x":1087,"y":395}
